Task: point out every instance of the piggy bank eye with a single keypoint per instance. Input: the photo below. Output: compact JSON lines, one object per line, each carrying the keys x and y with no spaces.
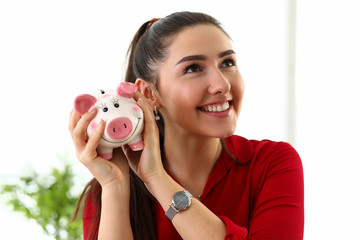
{"x":115,"y":102}
{"x":104,"y":108}
{"x":102,"y":91}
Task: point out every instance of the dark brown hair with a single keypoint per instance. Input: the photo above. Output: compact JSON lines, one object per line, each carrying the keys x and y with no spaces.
{"x":147,"y":51}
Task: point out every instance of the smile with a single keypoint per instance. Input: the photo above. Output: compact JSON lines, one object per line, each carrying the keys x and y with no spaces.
{"x":216,"y":107}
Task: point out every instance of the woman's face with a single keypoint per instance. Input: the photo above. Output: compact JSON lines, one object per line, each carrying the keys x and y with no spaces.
{"x":200,"y":87}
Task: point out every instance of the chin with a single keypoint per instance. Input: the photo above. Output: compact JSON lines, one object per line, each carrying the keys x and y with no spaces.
{"x":223,"y":133}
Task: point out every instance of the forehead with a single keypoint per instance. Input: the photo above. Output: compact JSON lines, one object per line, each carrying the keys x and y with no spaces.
{"x":201,"y":39}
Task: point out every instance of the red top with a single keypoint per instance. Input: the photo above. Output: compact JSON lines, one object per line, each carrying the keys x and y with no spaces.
{"x":263,"y":199}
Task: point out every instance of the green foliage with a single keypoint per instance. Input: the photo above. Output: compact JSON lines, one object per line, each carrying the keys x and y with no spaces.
{"x":48,"y":200}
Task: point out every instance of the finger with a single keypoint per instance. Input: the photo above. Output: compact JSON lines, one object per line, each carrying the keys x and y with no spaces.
{"x":145,"y":105}
{"x":137,"y":95}
{"x":93,"y":142}
{"x":73,"y":120}
{"x":147,"y":109}
{"x":150,"y":126}
{"x":79,"y":132}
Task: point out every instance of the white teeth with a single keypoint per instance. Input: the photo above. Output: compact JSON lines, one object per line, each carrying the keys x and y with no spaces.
{"x":216,"y":108}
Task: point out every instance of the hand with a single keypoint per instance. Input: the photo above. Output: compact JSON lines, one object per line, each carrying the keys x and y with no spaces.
{"x":105,"y":171}
{"x":147,"y":163}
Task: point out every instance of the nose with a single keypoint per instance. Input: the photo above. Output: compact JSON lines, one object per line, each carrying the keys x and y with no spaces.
{"x":119,"y":128}
{"x":219,"y":85}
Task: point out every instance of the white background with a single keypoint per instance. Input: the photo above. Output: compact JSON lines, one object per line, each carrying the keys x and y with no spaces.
{"x":51,"y":51}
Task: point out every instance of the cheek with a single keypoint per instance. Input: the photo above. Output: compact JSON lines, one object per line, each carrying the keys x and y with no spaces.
{"x":189,"y":96}
{"x":135,"y":109}
{"x":93,"y":124}
{"x":238,"y":87}
{"x":186,"y":96}
{"x":237,"y":91}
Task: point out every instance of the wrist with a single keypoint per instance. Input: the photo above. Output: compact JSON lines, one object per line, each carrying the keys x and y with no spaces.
{"x":156,"y":181}
{"x":163,"y":187}
{"x":180,"y":201}
{"x":116,"y":188}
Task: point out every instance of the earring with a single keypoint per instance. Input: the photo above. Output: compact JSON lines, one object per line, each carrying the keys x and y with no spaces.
{"x":157,"y":117}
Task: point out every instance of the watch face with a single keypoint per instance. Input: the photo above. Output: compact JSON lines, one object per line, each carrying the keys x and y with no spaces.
{"x":181,"y":200}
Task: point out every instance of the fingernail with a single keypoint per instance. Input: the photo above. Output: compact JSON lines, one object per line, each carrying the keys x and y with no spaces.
{"x":92,"y":109}
{"x":140,"y":101}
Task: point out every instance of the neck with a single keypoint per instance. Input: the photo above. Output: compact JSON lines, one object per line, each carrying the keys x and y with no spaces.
{"x":190,"y":159}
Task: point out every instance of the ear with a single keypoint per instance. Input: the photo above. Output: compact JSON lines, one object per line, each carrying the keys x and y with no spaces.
{"x":84,"y":102}
{"x":127,"y":89}
{"x":149,"y":91}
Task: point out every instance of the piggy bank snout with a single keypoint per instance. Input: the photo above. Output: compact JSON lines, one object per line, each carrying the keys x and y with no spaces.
{"x":119,"y":128}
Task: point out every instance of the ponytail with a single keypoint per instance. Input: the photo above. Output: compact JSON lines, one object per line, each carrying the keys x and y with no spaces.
{"x":130,"y":75}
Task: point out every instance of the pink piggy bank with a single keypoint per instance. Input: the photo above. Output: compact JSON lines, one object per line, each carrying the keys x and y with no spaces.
{"x":123,"y":117}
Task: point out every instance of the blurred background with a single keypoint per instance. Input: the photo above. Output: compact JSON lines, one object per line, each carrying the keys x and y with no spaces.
{"x":300,"y":61}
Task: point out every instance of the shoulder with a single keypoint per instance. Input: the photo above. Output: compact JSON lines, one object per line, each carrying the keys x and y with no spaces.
{"x":263,"y":152}
{"x":270,"y":167}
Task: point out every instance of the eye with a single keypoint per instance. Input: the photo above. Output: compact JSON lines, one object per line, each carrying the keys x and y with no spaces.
{"x":102,"y":91}
{"x":116,"y":104}
{"x":228,"y":63}
{"x":192,"y":68}
{"x":104,"y":108}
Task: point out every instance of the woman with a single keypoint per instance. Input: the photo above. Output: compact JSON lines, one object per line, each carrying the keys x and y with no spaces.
{"x":193,"y":179}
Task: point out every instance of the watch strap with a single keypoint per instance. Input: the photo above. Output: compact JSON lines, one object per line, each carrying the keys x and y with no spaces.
{"x":170,"y":213}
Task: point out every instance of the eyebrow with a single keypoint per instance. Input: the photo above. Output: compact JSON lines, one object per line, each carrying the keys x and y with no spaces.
{"x":203,"y":58}
{"x":227,"y":52}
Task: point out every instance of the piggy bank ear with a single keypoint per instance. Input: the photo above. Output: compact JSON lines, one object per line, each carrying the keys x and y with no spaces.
{"x":84,"y":102}
{"x":127,"y":89}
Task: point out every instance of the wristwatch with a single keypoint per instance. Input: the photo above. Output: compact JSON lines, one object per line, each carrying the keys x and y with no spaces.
{"x":180,"y":201}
